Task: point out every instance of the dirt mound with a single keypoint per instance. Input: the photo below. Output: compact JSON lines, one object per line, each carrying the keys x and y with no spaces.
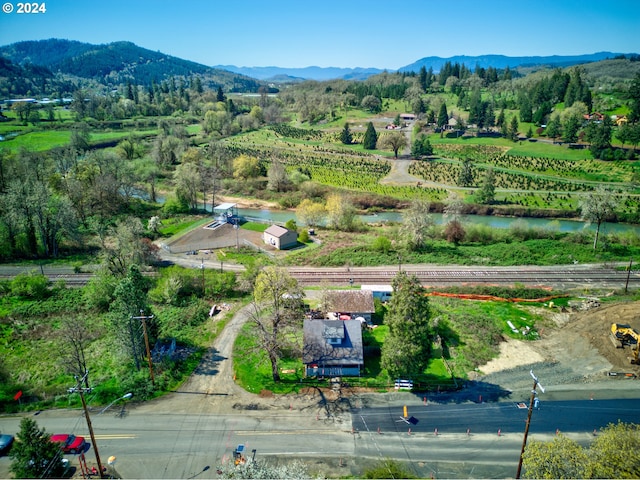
{"x":595,"y":325}
{"x":576,"y":349}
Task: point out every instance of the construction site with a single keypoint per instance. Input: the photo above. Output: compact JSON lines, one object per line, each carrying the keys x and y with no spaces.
{"x":576,"y":348}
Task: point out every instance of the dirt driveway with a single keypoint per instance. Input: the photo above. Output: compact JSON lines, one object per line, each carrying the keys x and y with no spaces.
{"x":574,"y":352}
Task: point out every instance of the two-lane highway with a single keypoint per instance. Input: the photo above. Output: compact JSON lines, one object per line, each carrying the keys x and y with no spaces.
{"x":450,"y":440}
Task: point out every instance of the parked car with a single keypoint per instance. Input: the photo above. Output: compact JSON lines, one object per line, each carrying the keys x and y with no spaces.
{"x":5,"y":442}
{"x":69,"y":443}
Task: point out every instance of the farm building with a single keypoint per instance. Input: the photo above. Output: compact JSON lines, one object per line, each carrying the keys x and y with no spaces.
{"x":350,"y":304}
{"x":280,"y":237}
{"x":332,"y":348}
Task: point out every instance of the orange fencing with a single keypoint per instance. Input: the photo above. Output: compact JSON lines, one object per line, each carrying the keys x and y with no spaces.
{"x":475,"y":296}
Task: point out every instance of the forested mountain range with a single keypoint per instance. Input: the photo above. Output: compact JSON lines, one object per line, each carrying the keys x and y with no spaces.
{"x":122,"y":62}
{"x":112,"y":64}
{"x":435,"y":63}
{"x":502,"y":61}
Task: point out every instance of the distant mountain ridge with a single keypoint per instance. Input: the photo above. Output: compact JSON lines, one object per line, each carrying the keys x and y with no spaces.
{"x":503,"y":61}
{"x":436,"y":63}
{"x":121,"y":62}
{"x":117,"y":62}
{"x":307,"y":73}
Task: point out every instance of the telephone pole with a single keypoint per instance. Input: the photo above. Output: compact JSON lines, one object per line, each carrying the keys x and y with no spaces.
{"x":526,"y":428}
{"x":144,"y":319}
{"x":80,"y":390}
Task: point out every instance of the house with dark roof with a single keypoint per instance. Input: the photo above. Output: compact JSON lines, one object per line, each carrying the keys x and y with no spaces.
{"x":350,"y":304}
{"x":332,"y":348}
{"x":280,"y":237}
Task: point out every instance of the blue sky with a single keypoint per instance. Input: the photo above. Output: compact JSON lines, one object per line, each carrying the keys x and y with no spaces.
{"x":339,"y":33}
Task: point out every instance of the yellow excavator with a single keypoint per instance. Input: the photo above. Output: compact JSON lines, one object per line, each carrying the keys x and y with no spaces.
{"x":623,"y":335}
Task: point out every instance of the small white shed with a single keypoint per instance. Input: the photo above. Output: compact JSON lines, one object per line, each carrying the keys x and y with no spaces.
{"x":280,"y":237}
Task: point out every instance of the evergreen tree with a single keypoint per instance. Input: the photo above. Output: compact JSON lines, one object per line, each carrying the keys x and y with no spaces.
{"x":634,"y":95}
{"x":577,"y":90}
{"x":197,"y":85}
{"x":599,"y":134}
{"x":422,"y":78}
{"x":526,"y":111}
{"x":370,"y":137}
{"x":513,"y":128}
{"x":345,"y":136}
{"x":443,"y":116}
{"x":129,"y":91}
{"x":489,"y":115}
{"x":487,"y":192}
{"x":570,"y":129}
{"x":421,"y":147}
{"x":220,"y":95}
{"x":407,"y":347}
{"x":465,"y":178}
{"x":500,"y":121}
{"x":34,"y":455}
{"x":475,"y":108}
{"x":504,"y":130}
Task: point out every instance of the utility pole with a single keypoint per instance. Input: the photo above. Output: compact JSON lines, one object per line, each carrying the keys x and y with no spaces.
{"x":202,"y":268}
{"x":80,"y":390}
{"x":526,"y":428}
{"x":237,"y":227}
{"x":144,"y":319}
{"x":626,"y":285}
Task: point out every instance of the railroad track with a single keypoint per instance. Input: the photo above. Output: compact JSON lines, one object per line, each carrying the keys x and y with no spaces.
{"x":444,"y":277}
{"x":558,"y":276}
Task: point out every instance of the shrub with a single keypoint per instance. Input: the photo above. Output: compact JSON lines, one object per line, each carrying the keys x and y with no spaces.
{"x":388,"y":468}
{"x":483,"y":234}
{"x":381,"y":244}
{"x":98,"y":293}
{"x":175,"y":206}
{"x":454,"y":232}
{"x":30,"y":285}
{"x":304,"y":236}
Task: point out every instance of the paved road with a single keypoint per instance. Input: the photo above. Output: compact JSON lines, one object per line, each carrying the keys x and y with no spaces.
{"x":191,"y":444}
{"x":187,"y":433}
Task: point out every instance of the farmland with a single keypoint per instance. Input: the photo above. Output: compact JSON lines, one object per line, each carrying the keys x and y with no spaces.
{"x":74,"y":185}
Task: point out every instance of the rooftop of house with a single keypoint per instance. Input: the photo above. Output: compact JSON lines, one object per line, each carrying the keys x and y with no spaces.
{"x":350,"y":301}
{"x":332,"y":342}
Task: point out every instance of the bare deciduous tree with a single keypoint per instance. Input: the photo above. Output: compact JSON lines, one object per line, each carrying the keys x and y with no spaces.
{"x":76,"y":336}
{"x":276,"y":307}
{"x":596,"y":207}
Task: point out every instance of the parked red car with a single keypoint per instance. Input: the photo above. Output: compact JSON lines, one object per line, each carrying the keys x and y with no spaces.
{"x":69,"y":443}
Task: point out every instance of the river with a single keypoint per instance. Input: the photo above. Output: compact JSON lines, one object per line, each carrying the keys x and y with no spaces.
{"x":281,"y":216}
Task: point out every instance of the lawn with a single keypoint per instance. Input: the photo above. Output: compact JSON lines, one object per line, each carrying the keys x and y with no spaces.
{"x":255,"y":226}
{"x":471,"y":332}
{"x":43,"y":140}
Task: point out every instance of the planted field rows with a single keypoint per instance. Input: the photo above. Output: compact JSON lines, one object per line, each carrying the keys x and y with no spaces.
{"x":585,"y":170}
{"x":528,"y":181}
